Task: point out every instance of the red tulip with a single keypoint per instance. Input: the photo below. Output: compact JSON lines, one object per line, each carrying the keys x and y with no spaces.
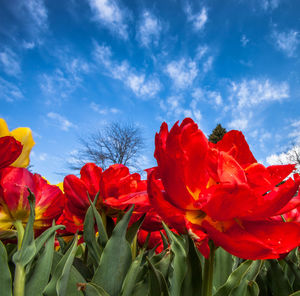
{"x":14,"y":184}
{"x":118,"y":190}
{"x":221,"y":190}
{"x":10,"y":150}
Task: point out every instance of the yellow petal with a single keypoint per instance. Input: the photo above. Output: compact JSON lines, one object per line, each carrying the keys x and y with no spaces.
{"x":4,"y":131}
{"x":24,"y":135}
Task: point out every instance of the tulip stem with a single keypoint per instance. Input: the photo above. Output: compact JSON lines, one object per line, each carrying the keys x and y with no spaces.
{"x":19,"y":280}
{"x":207,"y":283}
{"x":20,"y":231}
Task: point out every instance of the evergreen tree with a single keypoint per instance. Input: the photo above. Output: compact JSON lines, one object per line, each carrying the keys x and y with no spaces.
{"x":217,"y":134}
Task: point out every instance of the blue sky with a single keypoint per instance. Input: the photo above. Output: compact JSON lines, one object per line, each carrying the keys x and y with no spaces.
{"x":69,"y":67}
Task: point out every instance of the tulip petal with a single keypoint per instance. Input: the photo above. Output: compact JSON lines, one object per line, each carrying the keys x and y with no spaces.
{"x":10,"y":150}
{"x":173,"y":216}
{"x":235,"y":144}
{"x":23,"y":135}
{"x":240,"y":243}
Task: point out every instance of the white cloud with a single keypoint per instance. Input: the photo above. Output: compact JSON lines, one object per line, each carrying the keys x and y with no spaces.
{"x":103,"y":111}
{"x":149,"y":29}
{"x":200,"y":52}
{"x":38,"y":12}
{"x":212,"y":97}
{"x":29,"y":21}
{"x":269,"y":4}
{"x":142,"y":86}
{"x":10,"y":62}
{"x":60,"y":121}
{"x":173,"y":107}
{"x":287,"y":42}
{"x":182,"y":72}
{"x":109,"y":14}
{"x":207,"y":65}
{"x":64,"y":80}
{"x":239,"y":123}
{"x":197,"y":19}
{"x":9,"y":91}
{"x":244,"y":40}
{"x":249,"y":93}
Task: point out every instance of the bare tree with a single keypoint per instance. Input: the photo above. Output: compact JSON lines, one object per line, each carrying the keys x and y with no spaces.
{"x":117,"y":143}
{"x":293,"y":156}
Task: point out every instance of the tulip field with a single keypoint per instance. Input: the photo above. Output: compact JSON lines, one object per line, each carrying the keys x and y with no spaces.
{"x":208,"y":220}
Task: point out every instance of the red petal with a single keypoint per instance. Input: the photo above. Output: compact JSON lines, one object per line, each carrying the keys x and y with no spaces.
{"x":10,"y":150}
{"x":181,"y":158}
{"x":91,"y":175}
{"x":281,"y":236}
{"x":270,"y":204}
{"x":235,"y":144}
{"x":279,"y":172}
{"x":240,"y":243}
{"x":169,"y":213}
{"x":14,"y":183}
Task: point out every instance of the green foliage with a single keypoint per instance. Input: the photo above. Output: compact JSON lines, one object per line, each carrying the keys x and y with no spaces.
{"x":217,"y":134}
{"x":103,"y":265}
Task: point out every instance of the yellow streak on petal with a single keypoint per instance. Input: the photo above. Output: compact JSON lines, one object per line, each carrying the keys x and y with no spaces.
{"x":195,"y":194}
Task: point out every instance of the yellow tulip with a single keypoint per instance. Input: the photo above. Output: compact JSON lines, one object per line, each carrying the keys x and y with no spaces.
{"x":23,"y":135}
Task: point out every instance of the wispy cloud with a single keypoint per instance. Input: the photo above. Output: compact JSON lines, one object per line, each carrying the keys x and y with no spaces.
{"x":213,"y":97}
{"x":269,"y":4}
{"x":9,"y":91}
{"x":109,"y":14}
{"x":38,"y":13}
{"x":10,"y":62}
{"x":149,"y":29}
{"x":103,"y":111}
{"x":244,"y":40}
{"x":197,"y":19}
{"x":143,"y":86}
{"x":287,"y":42}
{"x":64,"y":80}
{"x":182,"y":72}
{"x":248,"y":94}
{"x":176,"y":107}
{"x":60,"y":121}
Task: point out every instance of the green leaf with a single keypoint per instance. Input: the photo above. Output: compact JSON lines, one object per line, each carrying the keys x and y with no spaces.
{"x":133,"y":229}
{"x":158,"y":285}
{"x":193,"y":279}
{"x":58,"y":265}
{"x":222,"y":267}
{"x":28,"y":248}
{"x":5,"y":276}
{"x":132,"y":275}
{"x":178,"y":264}
{"x":103,"y":238}
{"x":91,"y":289}
{"x":40,"y":275}
{"x":62,"y":283}
{"x":237,"y":276}
{"x":115,"y":260}
{"x":295,"y":294}
{"x":277,"y":280}
{"x":246,"y":288}
{"x":89,"y":236}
